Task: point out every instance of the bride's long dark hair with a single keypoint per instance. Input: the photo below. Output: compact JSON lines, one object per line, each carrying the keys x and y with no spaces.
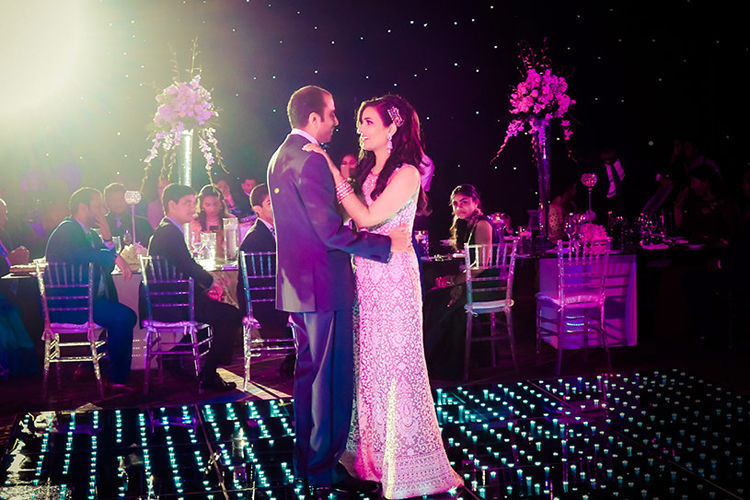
{"x":407,"y":146}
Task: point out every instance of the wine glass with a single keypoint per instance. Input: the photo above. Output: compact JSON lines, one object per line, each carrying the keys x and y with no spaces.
{"x":570,"y":227}
{"x":127,"y":238}
{"x":196,"y":242}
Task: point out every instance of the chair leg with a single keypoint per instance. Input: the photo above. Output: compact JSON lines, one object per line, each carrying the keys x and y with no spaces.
{"x":246,"y":339}
{"x":560,"y":330}
{"x":604,"y":337}
{"x":196,"y":351}
{"x":147,"y":363}
{"x":511,"y":340}
{"x":97,"y":369}
{"x":467,"y":350}
{"x":493,"y":339}
{"x":47,"y":355}
{"x":585,"y":336}
{"x":538,"y":327}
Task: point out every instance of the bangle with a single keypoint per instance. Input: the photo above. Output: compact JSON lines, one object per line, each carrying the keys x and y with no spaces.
{"x":343,"y":189}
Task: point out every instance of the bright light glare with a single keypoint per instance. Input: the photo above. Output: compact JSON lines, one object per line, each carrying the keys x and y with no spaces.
{"x":40,"y":45}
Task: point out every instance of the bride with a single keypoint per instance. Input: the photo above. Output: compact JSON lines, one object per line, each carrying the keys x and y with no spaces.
{"x":397,"y":440}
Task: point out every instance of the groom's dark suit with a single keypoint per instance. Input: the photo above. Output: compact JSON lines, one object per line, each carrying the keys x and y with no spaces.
{"x":315,"y":283}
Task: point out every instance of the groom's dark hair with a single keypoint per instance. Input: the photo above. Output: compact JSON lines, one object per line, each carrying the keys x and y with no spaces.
{"x":309,"y":99}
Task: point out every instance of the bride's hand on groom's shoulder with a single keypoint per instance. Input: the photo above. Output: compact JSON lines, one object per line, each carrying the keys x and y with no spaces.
{"x":311,"y":147}
{"x":400,"y":239}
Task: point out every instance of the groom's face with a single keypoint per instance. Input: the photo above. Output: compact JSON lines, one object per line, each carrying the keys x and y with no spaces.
{"x":328,"y":121}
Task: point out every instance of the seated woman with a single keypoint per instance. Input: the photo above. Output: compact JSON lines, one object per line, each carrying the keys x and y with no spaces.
{"x":445,"y":318}
{"x":210,"y":217}
{"x":562,"y":205}
{"x":348,"y":166}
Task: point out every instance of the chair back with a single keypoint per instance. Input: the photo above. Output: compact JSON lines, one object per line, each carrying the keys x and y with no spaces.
{"x":489,"y":271}
{"x":258,"y":277}
{"x":582,"y":270}
{"x":169,"y":294}
{"x":67,"y":291}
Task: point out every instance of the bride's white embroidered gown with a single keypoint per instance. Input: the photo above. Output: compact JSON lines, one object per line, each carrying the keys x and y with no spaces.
{"x":397,"y":438}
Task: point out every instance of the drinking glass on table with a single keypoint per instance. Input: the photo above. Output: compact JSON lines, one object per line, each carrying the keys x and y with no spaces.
{"x":208,"y":241}
{"x":196,"y":242}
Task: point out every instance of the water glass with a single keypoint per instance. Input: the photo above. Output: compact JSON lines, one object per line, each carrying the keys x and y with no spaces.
{"x":208,"y":243}
{"x":231,"y":238}
{"x":423,"y":243}
{"x":117,"y":244}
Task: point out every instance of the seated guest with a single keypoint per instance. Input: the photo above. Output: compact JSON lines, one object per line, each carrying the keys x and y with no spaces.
{"x":152,"y":197}
{"x":120,"y":219}
{"x":445,"y":318}
{"x":75,"y":241}
{"x":562,"y":205}
{"x":212,"y":211}
{"x":234,"y":207}
{"x":9,"y":254}
{"x":248,"y":184}
{"x":262,"y":238}
{"x":703,"y":213}
{"x":168,"y":242}
{"x":348,"y":166}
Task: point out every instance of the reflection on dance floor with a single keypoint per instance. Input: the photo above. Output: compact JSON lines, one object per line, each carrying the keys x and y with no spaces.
{"x":656,"y":434}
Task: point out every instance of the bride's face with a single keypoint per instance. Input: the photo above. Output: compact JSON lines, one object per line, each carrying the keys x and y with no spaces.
{"x":373,"y":134}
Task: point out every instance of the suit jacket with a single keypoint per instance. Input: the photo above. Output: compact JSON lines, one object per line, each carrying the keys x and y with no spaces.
{"x":70,"y":243}
{"x":314,"y":271}
{"x":168,"y":242}
{"x":143,"y":230}
{"x":5,"y":241}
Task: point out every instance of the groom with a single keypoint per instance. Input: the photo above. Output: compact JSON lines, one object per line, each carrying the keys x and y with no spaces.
{"x":315,"y":284}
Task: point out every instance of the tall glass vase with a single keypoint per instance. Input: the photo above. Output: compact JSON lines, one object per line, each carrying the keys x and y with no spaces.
{"x":185,"y":158}
{"x":541,"y":143}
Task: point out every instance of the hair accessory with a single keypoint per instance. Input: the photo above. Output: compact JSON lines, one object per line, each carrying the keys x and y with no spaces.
{"x":395,"y":116}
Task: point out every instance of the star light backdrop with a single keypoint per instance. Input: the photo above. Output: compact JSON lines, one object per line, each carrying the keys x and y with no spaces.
{"x":79,"y":81}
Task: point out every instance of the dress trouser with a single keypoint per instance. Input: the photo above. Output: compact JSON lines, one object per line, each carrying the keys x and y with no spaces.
{"x":323,"y":393}
{"x":119,"y":320}
{"x":226,"y":321}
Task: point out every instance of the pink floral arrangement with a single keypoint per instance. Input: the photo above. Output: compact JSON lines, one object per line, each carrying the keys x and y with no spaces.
{"x":539,"y":98}
{"x":184,"y":107}
{"x":591,"y":232}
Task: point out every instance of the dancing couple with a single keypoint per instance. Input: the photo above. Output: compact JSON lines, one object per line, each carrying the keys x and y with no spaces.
{"x":393,"y":437}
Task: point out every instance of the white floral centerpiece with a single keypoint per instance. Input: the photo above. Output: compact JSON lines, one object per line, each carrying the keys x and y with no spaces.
{"x":131,"y":252}
{"x":185,"y":107}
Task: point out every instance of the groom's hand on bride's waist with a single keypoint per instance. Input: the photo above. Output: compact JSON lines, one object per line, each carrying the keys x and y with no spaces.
{"x":400,"y":239}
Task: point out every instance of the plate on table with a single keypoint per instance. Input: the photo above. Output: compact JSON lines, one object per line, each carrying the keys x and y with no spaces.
{"x":695,"y":246}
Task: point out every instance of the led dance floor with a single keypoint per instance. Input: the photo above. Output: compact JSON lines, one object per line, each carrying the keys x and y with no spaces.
{"x":644,"y":435}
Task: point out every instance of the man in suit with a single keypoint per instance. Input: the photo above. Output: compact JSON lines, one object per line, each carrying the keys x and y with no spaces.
{"x":168,"y":242}
{"x":315,"y":284}
{"x":262,"y":238}
{"x":120,"y":219}
{"x":75,"y":241}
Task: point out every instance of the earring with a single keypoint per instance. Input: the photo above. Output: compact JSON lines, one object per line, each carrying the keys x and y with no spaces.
{"x":389,"y":144}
